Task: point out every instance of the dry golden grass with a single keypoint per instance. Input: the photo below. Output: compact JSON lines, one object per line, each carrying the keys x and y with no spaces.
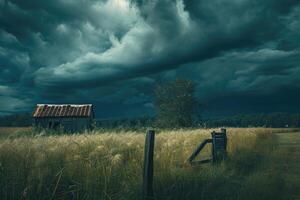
{"x":7,"y":131}
{"x":102,"y":166}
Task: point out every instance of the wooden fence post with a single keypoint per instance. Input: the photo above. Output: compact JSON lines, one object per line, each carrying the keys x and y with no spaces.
{"x":223,"y":130}
{"x":148,"y":165}
{"x":213,"y":152}
{"x":219,"y":145}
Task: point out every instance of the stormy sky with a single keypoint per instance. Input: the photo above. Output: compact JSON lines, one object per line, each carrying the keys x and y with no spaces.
{"x":244,"y":55}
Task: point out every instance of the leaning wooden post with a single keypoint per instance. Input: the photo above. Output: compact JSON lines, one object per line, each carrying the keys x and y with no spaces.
{"x":148,"y":165}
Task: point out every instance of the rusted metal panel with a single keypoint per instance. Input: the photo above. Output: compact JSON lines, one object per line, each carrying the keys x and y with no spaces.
{"x":63,"y":110}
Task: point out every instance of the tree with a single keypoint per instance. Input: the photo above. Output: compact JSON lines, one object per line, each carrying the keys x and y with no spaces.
{"x":176,"y":105}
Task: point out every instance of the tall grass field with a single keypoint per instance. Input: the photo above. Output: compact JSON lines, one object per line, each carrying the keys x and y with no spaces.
{"x":108,"y":166}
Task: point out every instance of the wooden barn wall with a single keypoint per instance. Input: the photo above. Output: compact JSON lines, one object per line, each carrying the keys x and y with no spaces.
{"x":67,"y":124}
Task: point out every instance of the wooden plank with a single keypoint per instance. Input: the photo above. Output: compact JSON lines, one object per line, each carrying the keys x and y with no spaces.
{"x":201,"y":162}
{"x":148,"y":165}
{"x":197,"y":151}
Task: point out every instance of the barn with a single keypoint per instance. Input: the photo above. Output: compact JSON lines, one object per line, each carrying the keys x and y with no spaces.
{"x":66,"y":117}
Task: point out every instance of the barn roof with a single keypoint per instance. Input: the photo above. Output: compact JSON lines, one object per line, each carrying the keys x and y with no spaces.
{"x":63,"y":110}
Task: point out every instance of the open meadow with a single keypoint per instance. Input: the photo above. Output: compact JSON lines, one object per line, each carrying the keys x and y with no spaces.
{"x":262,"y":164}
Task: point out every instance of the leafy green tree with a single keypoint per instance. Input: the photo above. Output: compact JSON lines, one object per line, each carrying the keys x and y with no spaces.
{"x":176,"y":104}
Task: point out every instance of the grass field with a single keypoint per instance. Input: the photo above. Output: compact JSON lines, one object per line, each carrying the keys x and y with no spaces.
{"x":109,"y":165}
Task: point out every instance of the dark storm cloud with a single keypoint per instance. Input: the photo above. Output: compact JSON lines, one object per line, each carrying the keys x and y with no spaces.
{"x":151,"y":44}
{"x":114,"y":52}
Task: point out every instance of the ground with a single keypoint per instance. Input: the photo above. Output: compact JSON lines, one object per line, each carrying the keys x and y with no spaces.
{"x":289,"y":162}
{"x":262,"y":164}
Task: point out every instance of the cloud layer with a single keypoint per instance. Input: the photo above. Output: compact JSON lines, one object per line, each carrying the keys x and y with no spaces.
{"x":113,"y":53}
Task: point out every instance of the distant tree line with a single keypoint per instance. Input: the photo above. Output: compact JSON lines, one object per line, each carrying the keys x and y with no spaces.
{"x":124,"y":124}
{"x":16,"y":120}
{"x":276,"y":120}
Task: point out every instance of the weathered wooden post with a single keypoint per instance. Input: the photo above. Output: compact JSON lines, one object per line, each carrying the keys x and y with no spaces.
{"x":213,"y":153}
{"x":223,"y":130}
{"x":219,"y":145}
{"x":148,"y":165}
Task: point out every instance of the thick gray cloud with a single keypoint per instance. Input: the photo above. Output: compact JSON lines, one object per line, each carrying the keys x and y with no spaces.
{"x":114,"y":52}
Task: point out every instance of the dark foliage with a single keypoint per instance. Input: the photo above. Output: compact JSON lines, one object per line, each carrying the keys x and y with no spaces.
{"x":176,"y":104}
{"x":16,"y":120}
{"x":275,"y":120}
{"x":124,"y":124}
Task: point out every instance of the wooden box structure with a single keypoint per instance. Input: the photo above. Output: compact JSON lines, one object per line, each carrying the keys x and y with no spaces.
{"x":65,"y":117}
{"x":218,"y":148}
{"x":219,"y":145}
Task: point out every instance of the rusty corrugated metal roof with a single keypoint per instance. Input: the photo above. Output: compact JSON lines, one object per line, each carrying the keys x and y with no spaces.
{"x":63,"y":110}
